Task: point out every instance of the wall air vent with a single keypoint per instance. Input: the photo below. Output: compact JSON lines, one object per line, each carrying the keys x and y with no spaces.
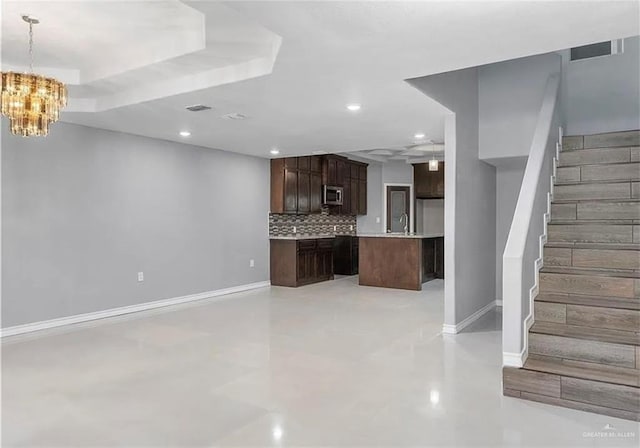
{"x":596,"y":50}
{"x":198,"y":108}
{"x":234,"y":116}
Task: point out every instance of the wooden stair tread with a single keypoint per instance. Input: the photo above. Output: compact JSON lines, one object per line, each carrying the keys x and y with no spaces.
{"x":587,"y":333}
{"x":586,"y":370}
{"x":599,"y":301}
{"x":593,"y":246}
{"x":597,"y":272}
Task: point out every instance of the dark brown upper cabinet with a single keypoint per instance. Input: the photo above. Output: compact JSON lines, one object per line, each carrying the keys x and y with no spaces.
{"x":352,"y":177}
{"x":296,"y":185}
{"x":428,"y":184}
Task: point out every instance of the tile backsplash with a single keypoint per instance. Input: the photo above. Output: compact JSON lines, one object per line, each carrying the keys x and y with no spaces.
{"x":322,"y":223}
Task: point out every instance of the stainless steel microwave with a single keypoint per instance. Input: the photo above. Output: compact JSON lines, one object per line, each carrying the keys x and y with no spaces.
{"x":332,"y":195}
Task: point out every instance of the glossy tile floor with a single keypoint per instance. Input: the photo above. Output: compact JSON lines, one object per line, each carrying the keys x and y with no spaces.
{"x":332,"y":364}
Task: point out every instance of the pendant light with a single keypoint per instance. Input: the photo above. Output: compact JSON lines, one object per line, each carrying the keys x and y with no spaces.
{"x":30,"y":101}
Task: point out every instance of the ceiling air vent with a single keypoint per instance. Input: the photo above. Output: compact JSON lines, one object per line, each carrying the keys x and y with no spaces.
{"x":596,"y":50}
{"x":198,"y":108}
{"x":234,"y":116}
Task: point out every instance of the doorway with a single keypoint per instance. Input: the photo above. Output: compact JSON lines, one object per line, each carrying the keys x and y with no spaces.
{"x":399,"y":208}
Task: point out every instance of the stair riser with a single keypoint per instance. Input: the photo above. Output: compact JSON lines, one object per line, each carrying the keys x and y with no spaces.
{"x":592,"y":258}
{"x":597,"y":156}
{"x":587,"y":316}
{"x":583,"y":350}
{"x":585,"y":370}
{"x":620,"y":190}
{"x":586,"y":407}
{"x":564,"y":211}
{"x":592,"y":233}
{"x":611,"y":139}
{"x":585,"y":300}
{"x":596,"y":210}
{"x":607,"y":395}
{"x":605,"y":140}
{"x":601,"y":394}
{"x":587,"y":173}
{"x":611,"y":259}
{"x":589,"y":285}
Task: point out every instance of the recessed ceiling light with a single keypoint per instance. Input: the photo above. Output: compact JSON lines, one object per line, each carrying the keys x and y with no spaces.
{"x":353,"y":107}
{"x":234,"y":116}
{"x":275,"y":151}
{"x":419,"y":135}
{"x":185,"y":133}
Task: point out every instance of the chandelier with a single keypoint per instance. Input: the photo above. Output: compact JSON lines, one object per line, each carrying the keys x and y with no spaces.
{"x":31,"y":101}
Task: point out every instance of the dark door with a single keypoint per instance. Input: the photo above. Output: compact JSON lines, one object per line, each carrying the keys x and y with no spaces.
{"x":398,"y":208}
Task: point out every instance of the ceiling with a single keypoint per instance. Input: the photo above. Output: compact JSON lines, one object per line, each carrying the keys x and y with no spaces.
{"x":289,"y":67}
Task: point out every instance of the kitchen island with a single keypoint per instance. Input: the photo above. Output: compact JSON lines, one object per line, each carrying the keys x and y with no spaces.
{"x":399,"y":260}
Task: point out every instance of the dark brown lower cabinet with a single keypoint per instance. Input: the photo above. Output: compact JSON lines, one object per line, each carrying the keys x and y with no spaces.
{"x":439,"y":255}
{"x":432,"y":258}
{"x":301,"y":262}
{"x":345,"y":255}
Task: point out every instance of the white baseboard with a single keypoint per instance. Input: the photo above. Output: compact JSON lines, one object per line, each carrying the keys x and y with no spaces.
{"x":455,"y":329}
{"x":514,"y":359}
{"x":79,"y":318}
{"x":518,"y":359}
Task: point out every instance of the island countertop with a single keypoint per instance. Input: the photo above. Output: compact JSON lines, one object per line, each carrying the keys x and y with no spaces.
{"x":401,"y":235}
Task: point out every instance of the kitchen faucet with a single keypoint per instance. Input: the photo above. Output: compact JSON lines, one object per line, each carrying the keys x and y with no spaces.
{"x":405,"y":219}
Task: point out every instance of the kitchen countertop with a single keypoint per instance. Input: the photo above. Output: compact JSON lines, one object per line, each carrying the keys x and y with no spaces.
{"x":301,"y":236}
{"x":401,"y":235}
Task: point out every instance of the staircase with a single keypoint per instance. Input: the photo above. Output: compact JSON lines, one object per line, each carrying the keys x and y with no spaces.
{"x":584,"y":345}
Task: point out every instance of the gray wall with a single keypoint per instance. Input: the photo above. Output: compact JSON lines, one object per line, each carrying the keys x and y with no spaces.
{"x":510,"y":95}
{"x":430,"y":215}
{"x":470,"y":202}
{"x":367,"y":223}
{"x":84,"y":210}
{"x":602,"y":94}
{"x":508,"y":181}
{"x":397,"y":172}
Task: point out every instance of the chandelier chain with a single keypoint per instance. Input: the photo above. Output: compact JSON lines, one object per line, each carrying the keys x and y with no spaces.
{"x":31,"y":46}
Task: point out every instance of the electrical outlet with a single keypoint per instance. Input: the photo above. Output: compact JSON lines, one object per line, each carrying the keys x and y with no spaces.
{"x":335,"y":228}
{"x":252,"y":263}
{"x":350,"y":227}
{"x":377,"y":220}
{"x":294,"y":229}
{"x":140,"y":276}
